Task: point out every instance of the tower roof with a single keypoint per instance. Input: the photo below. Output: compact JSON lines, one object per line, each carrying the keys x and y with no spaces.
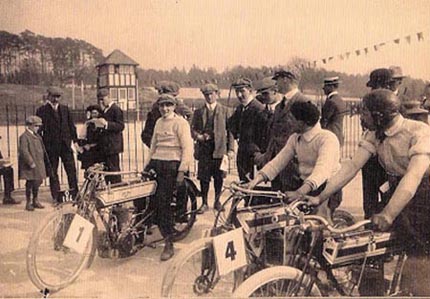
{"x":118,"y":57}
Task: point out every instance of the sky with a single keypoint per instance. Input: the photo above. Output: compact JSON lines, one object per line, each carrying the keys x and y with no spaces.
{"x":223,"y":33}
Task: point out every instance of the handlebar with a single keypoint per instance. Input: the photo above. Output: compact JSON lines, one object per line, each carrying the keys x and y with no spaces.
{"x":331,"y":228}
{"x":276,"y":194}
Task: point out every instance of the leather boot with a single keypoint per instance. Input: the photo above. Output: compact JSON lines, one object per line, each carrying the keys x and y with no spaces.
{"x":29,"y":205}
{"x":218,"y":206}
{"x":9,"y":200}
{"x":168,"y":250}
{"x":37,"y":204}
{"x":204,"y":206}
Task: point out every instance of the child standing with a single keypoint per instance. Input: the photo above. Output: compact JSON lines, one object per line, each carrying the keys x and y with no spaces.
{"x":31,"y":163}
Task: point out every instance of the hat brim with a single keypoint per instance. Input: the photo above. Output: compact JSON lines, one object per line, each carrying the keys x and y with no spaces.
{"x":166,"y":101}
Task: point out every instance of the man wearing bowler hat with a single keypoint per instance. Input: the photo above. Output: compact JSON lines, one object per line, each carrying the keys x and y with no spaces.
{"x":334,"y":109}
{"x":248,"y":126}
{"x":213,"y":142}
{"x":58,"y":132}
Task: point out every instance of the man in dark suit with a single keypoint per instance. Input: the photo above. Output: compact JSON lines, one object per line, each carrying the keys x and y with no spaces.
{"x":334,"y":109}
{"x":248,"y":126}
{"x":280,"y":129}
{"x":58,"y":132}
{"x":112,"y":125}
{"x":6,"y":171}
{"x":213,"y":143}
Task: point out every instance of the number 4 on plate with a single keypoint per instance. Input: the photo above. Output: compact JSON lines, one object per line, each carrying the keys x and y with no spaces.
{"x":230,"y":251}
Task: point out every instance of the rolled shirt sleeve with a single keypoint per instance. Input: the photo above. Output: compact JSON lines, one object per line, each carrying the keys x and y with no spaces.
{"x":281,"y":160}
{"x":368,"y":142}
{"x":327,"y":163}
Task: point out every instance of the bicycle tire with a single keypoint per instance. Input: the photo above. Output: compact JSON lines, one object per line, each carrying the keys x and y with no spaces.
{"x":254,"y":285}
{"x":174,"y":285}
{"x":181,"y":230}
{"x":34,"y":261}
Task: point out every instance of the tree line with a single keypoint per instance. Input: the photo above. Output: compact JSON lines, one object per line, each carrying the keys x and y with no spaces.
{"x":32,"y":59}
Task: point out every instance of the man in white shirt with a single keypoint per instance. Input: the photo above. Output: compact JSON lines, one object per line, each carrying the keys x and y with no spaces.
{"x":317,"y":151}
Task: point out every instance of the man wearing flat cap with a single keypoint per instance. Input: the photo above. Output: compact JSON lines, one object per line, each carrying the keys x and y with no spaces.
{"x":171,"y":154}
{"x":111,"y":140}
{"x":213,"y":142}
{"x":248,"y":125}
{"x":163,"y":87}
{"x":280,"y":128}
{"x":334,"y":108}
{"x":58,"y":131}
{"x":396,"y":78}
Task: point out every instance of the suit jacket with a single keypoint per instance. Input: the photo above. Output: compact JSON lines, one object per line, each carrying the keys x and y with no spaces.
{"x":111,"y":140}
{"x":58,"y":127}
{"x":249,"y":126}
{"x":30,"y":151}
{"x":278,"y":128}
{"x":332,"y":115}
{"x":222,"y":137}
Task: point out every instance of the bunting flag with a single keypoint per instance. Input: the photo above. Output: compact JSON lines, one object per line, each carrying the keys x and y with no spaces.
{"x":366,"y":50}
{"x":420,"y":36}
{"x":408,"y":39}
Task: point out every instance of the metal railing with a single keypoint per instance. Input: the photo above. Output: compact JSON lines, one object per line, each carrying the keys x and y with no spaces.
{"x":135,"y":155}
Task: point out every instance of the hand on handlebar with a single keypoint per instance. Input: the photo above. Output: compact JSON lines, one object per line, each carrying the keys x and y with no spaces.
{"x":381,"y":222}
{"x":312,"y":200}
{"x":294,"y":195}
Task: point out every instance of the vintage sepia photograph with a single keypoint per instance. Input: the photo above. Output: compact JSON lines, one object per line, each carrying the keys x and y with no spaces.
{"x":214,"y":148}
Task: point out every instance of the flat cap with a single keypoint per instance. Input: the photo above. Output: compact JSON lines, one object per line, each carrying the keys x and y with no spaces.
{"x":413,"y":107}
{"x":242,"y":82}
{"x":209,"y":88}
{"x":55,"y":91}
{"x":166,"y":98}
{"x":168,"y":87}
{"x":285,"y":73}
{"x":101,"y":93}
{"x":379,"y":77}
{"x":33,"y":120}
{"x":265,"y":84}
{"x":331,"y":80}
{"x":396,"y":72}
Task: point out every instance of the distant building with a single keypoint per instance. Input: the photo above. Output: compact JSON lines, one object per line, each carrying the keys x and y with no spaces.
{"x":117,"y":73}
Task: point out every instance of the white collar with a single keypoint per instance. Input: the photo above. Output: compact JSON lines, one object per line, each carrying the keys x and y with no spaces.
{"x":211,"y":106}
{"x":31,"y":131}
{"x":247,"y":102}
{"x":173,"y":115}
{"x":395,"y":127}
{"x":309,"y":135}
{"x":273,"y":105}
{"x":289,"y":95}
{"x":54,"y":106}
{"x":332,"y":94}
{"x":110,"y":105}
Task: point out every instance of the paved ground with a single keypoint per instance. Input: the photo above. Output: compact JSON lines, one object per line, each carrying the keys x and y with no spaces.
{"x":139,"y":276}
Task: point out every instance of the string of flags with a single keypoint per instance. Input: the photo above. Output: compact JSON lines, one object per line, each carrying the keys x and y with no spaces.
{"x":417,"y":37}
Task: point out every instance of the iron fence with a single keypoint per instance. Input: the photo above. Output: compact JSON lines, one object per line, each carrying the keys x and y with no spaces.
{"x":135,"y":155}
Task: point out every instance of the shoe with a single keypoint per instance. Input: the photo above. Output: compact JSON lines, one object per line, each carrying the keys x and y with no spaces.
{"x":168,"y":251}
{"x":37,"y":204}
{"x":29,"y":206}
{"x":10,"y":201}
{"x":218,"y":206}
{"x":203,"y":208}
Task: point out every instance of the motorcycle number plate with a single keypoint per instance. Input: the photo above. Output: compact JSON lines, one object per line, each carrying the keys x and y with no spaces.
{"x":230,"y":251}
{"x":79,"y":234}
